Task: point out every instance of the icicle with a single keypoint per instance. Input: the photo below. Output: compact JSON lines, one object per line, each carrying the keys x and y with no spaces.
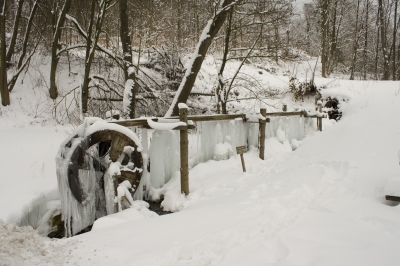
{"x":165,"y":156}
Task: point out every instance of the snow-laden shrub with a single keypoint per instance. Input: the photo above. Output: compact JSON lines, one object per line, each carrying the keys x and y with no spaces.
{"x":301,"y":89}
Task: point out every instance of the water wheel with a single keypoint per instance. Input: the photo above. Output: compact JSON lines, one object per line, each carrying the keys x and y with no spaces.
{"x":81,"y":176}
{"x":118,"y":141}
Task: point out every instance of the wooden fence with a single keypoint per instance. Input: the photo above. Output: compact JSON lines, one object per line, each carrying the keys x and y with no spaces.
{"x":184,"y":138}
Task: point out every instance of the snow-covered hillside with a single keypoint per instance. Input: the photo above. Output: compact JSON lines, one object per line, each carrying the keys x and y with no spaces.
{"x":322,"y":204}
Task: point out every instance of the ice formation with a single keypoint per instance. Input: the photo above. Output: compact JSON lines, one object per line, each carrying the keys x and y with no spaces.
{"x":164,"y":156}
{"x":217,"y":140}
{"x":124,"y":193}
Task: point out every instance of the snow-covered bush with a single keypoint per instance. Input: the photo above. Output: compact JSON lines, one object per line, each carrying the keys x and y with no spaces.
{"x":301,"y":89}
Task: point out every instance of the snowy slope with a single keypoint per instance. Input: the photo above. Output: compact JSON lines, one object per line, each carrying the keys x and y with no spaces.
{"x":27,"y":161}
{"x":321,"y":204}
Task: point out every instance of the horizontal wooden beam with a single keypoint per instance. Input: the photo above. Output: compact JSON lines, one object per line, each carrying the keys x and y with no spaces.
{"x":286,"y":113}
{"x":392,"y":198}
{"x":175,"y":128}
{"x":205,"y":118}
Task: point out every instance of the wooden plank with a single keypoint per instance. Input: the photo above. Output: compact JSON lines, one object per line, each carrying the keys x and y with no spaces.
{"x":203,"y":118}
{"x":176,"y":128}
{"x":301,"y":113}
{"x":184,"y":148}
{"x":392,"y":198}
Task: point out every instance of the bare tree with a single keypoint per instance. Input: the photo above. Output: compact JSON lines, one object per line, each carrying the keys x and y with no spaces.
{"x":56,"y":44}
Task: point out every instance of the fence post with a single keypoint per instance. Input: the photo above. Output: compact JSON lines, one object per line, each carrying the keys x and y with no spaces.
{"x":261,"y":136}
{"x":184,"y":148}
{"x":319,"y":119}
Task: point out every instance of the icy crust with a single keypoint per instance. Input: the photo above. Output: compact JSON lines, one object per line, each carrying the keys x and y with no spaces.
{"x":84,"y":214}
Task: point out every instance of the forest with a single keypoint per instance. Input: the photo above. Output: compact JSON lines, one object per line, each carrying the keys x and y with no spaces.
{"x":143,"y":57}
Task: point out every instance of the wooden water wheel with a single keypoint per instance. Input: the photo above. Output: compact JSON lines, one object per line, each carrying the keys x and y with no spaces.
{"x":118,"y":142}
{"x":88,"y":175}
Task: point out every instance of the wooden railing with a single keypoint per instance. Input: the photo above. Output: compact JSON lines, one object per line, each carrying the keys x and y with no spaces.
{"x":184,"y":143}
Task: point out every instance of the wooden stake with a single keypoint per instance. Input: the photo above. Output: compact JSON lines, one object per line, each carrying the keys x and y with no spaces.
{"x":184,"y":147}
{"x":243,"y":165}
{"x":240,"y":150}
{"x":261,"y":134}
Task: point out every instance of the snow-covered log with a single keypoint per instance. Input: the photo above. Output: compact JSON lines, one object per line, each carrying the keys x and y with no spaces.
{"x":193,"y":67}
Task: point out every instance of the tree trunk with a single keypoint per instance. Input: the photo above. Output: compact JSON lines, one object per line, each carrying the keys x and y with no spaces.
{"x":394,"y":76}
{"x":383,"y":41}
{"x":333,"y":43}
{"x":130,"y":78}
{"x":54,"y":48}
{"x":5,"y":96}
{"x":209,"y":32}
{"x":355,"y":44}
{"x":366,"y":40}
{"x":221,"y":80}
{"x":324,"y":26}
{"x":11,"y":46}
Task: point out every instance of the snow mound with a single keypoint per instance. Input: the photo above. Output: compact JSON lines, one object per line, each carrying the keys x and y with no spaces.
{"x":138,"y":211}
{"x":23,"y":246}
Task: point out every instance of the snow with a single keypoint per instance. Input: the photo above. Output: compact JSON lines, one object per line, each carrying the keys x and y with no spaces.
{"x":182,"y":106}
{"x":164,"y":126}
{"x":138,"y":211}
{"x":322,"y":203}
{"x":392,"y":186}
{"x":124,"y":193}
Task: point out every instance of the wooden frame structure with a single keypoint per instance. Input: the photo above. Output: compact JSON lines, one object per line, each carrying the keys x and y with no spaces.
{"x":188,"y":120}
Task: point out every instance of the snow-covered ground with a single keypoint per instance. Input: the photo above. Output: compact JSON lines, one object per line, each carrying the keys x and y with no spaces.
{"x":322,"y":204}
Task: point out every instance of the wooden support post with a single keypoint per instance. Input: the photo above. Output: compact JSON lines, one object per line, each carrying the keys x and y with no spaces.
{"x":240,"y":150}
{"x":319,"y":119}
{"x":184,"y":147}
{"x":261,"y":133}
